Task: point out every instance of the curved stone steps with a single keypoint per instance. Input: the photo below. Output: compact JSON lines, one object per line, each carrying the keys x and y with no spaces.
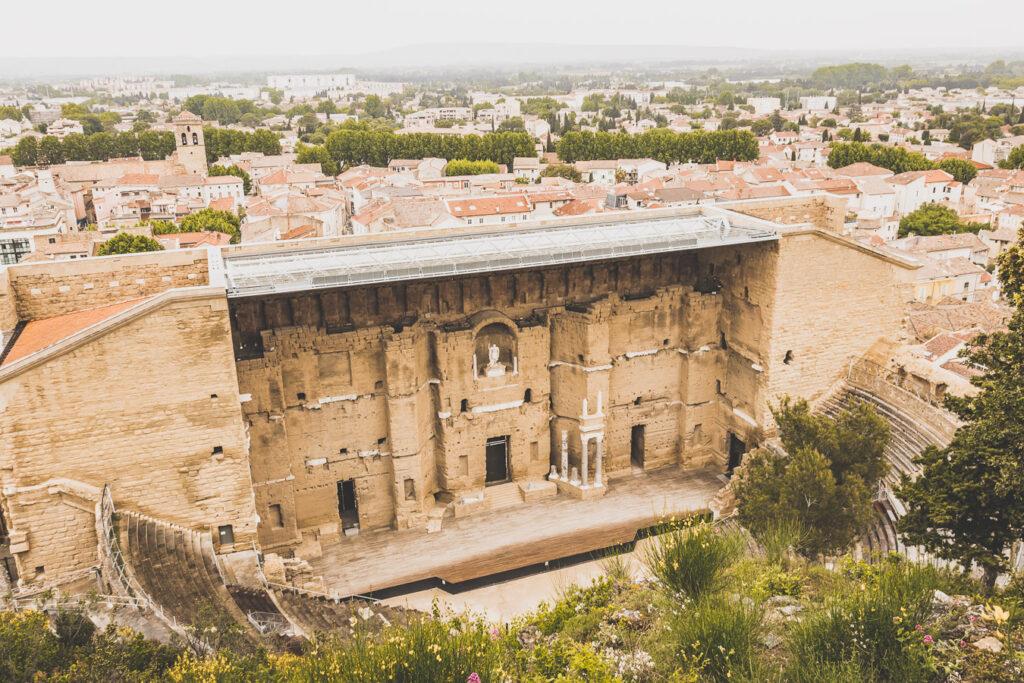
{"x":176,"y":568}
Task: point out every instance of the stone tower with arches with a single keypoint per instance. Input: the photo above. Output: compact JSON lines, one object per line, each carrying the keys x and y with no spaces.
{"x":188,"y":140}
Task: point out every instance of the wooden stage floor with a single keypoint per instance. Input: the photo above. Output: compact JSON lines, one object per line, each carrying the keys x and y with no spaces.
{"x":493,"y":542}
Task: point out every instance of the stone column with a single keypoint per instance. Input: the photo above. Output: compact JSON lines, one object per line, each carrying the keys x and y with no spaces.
{"x":585,"y":441}
{"x":565,"y":455}
{"x":597,"y":472}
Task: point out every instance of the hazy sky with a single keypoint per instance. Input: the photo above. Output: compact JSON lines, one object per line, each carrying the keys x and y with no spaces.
{"x":105,"y":28}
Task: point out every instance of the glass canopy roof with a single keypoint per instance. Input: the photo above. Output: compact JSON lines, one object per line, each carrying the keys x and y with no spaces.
{"x":505,"y":249}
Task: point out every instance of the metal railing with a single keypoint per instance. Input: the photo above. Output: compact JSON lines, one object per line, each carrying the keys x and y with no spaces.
{"x":68,"y":602}
{"x":112,"y":552}
{"x":267,"y":622}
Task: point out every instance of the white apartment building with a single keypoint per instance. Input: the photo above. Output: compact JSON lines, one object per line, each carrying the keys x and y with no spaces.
{"x":816,"y":102}
{"x":764,"y":105}
{"x":315,"y":81}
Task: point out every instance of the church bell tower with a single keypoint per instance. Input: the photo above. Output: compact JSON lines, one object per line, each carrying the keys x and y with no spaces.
{"x":188,"y":140}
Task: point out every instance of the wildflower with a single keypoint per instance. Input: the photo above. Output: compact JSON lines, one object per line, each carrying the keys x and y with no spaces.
{"x":494,"y":632}
{"x":473,"y":678}
{"x":963,"y":643}
{"x":973,"y":618}
{"x":918,"y":627}
{"x":927,"y":639}
{"x":896,"y":620}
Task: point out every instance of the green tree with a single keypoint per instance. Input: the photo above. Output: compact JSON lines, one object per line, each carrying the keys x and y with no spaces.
{"x":11,"y":113}
{"x":512,"y":125}
{"x":1011,"y":270}
{"x":963,"y":171}
{"x":966,"y":505}
{"x":561,"y":171}
{"x":26,"y":152}
{"x":374,"y":107}
{"x":1015,"y":159}
{"x":761,"y":127}
{"x":126,"y":243}
{"x":234,"y":170}
{"x":326,"y":107}
{"x":51,"y":151}
{"x":467,"y":167}
{"x":273,"y":94}
{"x":825,"y":483}
{"x":211,"y":220}
{"x":221,"y":109}
{"x":935,"y":219}
{"x":317,"y":154}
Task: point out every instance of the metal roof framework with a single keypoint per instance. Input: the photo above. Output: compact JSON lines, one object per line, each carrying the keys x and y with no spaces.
{"x":509,"y":249}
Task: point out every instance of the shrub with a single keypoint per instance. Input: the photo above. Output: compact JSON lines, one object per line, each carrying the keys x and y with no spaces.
{"x":26,"y":645}
{"x":617,"y":566}
{"x":781,"y":538}
{"x":126,"y":243}
{"x":565,"y":660}
{"x":120,"y":654}
{"x":875,"y":628}
{"x":776,"y":582}
{"x":562,"y":171}
{"x":576,"y":601}
{"x":426,"y":649}
{"x":719,"y":636}
{"x":691,"y":560}
{"x":221,"y":668}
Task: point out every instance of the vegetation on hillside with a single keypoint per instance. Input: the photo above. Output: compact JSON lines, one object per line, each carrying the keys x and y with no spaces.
{"x":696,"y":606}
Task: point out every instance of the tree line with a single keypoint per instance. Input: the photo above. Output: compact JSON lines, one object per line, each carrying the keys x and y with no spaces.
{"x":701,"y":147}
{"x":897,"y":160}
{"x":378,"y":147}
{"x":150,"y":145}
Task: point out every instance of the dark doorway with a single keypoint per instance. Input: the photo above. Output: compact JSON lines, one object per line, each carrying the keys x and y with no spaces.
{"x":497,"y":460}
{"x":636,"y":446}
{"x":736,"y":450}
{"x":348,"y":510}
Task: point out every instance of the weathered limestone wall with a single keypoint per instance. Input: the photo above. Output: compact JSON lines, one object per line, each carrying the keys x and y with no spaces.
{"x":43,"y":290}
{"x":379,"y":385}
{"x":8,"y":307}
{"x":833,"y":300}
{"x":317,"y":414}
{"x":150,"y":406}
{"x":827,"y":212}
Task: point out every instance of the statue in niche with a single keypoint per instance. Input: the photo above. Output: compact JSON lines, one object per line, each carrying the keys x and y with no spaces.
{"x":494,"y":368}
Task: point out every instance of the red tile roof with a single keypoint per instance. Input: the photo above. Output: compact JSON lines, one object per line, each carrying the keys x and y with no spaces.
{"x":39,"y":334}
{"x":489,"y":206}
{"x":189,"y":240}
{"x":139,"y":179}
{"x":223,"y":204}
{"x":303,"y":231}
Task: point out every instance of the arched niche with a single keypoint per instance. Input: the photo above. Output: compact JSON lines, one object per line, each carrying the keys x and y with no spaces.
{"x":495,"y":353}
